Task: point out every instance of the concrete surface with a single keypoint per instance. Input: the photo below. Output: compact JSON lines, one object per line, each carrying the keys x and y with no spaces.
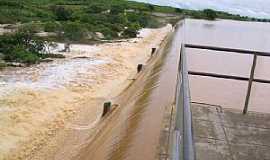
{"x":226,"y":134}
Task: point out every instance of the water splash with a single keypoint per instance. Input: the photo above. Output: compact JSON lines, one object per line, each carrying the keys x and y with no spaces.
{"x":52,"y":75}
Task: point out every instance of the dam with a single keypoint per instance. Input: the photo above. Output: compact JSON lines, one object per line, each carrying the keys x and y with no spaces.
{"x":201,"y":96}
{"x":169,"y":112}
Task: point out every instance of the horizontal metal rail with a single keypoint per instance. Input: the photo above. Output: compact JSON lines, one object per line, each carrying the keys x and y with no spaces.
{"x":184,"y":148}
{"x":222,"y":76}
{"x":242,"y":51}
{"x":251,"y":78}
{"x":184,"y":145}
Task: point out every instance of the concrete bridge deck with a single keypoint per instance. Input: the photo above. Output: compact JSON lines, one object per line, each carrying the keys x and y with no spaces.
{"x":227,"y":134}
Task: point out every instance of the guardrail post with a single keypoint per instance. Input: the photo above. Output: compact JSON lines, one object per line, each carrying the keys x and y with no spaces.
{"x":139,"y":68}
{"x":250,"y":83}
{"x":153,"y":51}
{"x":106,"y":108}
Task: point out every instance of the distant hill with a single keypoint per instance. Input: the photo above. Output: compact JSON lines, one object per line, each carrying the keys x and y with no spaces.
{"x":37,"y":22}
{"x":112,"y":18}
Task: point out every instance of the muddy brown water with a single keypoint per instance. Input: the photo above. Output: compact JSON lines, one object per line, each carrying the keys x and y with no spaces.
{"x":132,"y":131}
{"x":231,"y":34}
{"x":134,"y":128}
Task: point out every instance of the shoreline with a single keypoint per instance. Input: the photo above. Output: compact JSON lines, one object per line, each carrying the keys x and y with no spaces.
{"x":117,"y":75}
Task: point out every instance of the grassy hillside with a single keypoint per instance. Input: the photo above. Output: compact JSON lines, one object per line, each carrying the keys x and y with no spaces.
{"x":109,"y":17}
{"x":81,"y":21}
{"x":85,"y":17}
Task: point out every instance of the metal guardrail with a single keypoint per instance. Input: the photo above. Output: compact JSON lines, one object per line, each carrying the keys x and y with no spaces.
{"x":250,"y":79}
{"x":241,"y":51}
{"x":183,"y":144}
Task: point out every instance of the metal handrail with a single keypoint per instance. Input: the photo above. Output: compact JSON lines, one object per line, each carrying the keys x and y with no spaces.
{"x":183,"y":133}
{"x":251,"y":78}
{"x":215,"y":48}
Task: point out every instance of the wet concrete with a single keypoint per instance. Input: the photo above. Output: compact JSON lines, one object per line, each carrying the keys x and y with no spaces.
{"x":226,"y":134}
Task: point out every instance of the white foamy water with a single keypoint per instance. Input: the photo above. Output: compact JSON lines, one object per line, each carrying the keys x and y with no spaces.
{"x":75,"y":70}
{"x":78,"y":48}
{"x":253,"y":8}
{"x":56,"y":74}
{"x":52,"y":75}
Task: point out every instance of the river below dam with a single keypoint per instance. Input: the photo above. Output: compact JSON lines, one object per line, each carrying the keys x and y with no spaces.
{"x":229,"y":34}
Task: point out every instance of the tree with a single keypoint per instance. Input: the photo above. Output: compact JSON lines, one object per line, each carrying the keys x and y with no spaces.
{"x":117,"y":9}
{"x":132,"y":30}
{"x":142,"y":18}
{"x":74,"y":31}
{"x":119,"y":18}
{"x":61,"y":13}
{"x":210,"y":14}
{"x":22,"y":47}
{"x":97,"y":8}
{"x":178,"y":10}
{"x":151,"y":7}
{"x":52,"y":26}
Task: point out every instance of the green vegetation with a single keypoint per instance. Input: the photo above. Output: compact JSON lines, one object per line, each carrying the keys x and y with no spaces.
{"x":210,"y":14}
{"x":23,"y":47}
{"x":79,"y":20}
{"x":2,"y":65}
{"x":83,"y":21}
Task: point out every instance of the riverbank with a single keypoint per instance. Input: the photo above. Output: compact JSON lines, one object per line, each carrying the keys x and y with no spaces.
{"x":39,"y":101}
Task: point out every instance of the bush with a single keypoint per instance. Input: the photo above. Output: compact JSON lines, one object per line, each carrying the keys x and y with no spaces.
{"x":2,"y":65}
{"x":74,"y":31}
{"x":120,"y":19}
{"x":20,"y":54}
{"x":22,"y":47}
{"x":178,"y":10}
{"x":132,"y":30}
{"x":108,"y":32}
{"x":61,"y":13}
{"x":6,"y":20}
{"x":31,"y":27}
{"x":51,"y":55}
{"x":151,"y":7}
{"x":97,"y":8}
{"x":52,"y":27}
{"x":117,"y":9}
{"x":143,"y":19}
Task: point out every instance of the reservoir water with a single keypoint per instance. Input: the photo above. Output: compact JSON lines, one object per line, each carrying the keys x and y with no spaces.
{"x":231,"y":34}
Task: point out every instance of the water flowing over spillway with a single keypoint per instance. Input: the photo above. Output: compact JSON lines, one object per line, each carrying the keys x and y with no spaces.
{"x":38,"y":102}
{"x":135,"y":128}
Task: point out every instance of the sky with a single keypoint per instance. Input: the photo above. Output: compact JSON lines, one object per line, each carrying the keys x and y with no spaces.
{"x":252,"y":8}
